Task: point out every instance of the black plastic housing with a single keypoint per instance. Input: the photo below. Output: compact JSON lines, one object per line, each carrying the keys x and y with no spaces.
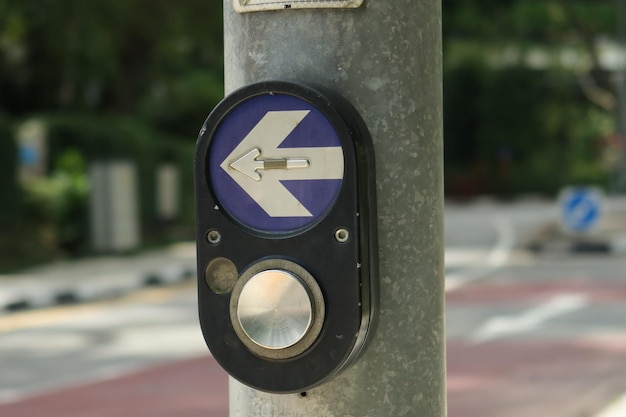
{"x":347,"y":273}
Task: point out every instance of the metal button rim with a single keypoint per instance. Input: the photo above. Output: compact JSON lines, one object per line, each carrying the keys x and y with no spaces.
{"x":317,"y":302}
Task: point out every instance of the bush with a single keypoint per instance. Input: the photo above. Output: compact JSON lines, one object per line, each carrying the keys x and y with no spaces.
{"x":59,"y":202}
{"x":10,"y":206}
{"x":76,"y":141}
{"x":517,"y":130}
{"x":23,"y":241}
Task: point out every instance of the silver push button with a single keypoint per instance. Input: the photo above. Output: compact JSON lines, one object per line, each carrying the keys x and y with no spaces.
{"x":275,"y":309}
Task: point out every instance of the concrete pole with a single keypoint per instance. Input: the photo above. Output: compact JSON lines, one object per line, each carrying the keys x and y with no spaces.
{"x":385,"y":58}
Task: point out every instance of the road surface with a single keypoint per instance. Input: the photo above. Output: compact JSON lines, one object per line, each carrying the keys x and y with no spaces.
{"x":530,"y":334}
{"x":527,"y":334}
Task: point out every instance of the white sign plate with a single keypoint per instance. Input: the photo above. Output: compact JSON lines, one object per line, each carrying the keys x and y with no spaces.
{"x":243,"y":6}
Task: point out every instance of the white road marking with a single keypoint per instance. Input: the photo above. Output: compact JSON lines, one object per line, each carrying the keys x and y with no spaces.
{"x":136,"y":332}
{"x":503,"y":326}
{"x":615,"y":409}
{"x":497,"y":257}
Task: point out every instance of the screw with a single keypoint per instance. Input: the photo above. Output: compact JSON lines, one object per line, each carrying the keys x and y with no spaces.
{"x":342,"y":235}
{"x":214,"y":237}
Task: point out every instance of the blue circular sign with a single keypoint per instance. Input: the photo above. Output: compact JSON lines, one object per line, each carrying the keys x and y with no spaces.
{"x":581,"y":209}
{"x":275,"y":163}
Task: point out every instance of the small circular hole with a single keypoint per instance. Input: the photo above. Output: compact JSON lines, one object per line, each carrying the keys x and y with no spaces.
{"x":303,"y":394}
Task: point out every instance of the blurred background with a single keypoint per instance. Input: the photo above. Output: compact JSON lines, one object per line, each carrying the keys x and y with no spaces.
{"x":121,"y":88}
{"x":533,"y":96}
{"x":100,"y":105}
{"x":532,"y":103}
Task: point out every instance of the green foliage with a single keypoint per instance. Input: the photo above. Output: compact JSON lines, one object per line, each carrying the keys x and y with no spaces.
{"x":183,"y":105}
{"x":112,"y":57}
{"x":75,"y":141}
{"x":516,"y":116}
{"x":520,"y":20}
{"x":22,"y":240}
{"x":59,"y":202}
{"x":120,"y":79}
{"x":518,"y":130}
{"x":9,"y":207}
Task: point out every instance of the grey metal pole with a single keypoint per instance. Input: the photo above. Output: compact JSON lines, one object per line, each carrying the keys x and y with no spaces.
{"x":385,"y":58}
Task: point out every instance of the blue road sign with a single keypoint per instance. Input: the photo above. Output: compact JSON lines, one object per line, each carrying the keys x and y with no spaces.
{"x":275,"y":163}
{"x":581,"y":208}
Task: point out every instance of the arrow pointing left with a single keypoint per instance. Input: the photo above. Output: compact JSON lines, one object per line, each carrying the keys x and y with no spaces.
{"x":279,"y":164}
{"x":249,"y":164}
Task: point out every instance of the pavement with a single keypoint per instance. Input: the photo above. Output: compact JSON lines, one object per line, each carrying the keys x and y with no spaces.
{"x":188,"y":388}
{"x":551,"y":240}
{"x":540,"y":345}
{"x":95,"y":278}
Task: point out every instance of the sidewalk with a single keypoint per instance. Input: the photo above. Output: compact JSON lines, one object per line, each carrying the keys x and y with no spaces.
{"x":95,"y":278}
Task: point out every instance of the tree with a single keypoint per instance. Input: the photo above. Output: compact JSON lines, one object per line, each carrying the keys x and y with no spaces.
{"x":113,"y":57}
{"x":542,"y":100}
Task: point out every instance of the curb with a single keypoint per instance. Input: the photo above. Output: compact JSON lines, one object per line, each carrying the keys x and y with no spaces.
{"x":614,"y":245}
{"x":82,"y":292}
{"x":550,"y":239}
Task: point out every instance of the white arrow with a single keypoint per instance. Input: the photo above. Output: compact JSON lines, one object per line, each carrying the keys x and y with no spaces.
{"x":250,"y":163}
{"x":279,"y":164}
